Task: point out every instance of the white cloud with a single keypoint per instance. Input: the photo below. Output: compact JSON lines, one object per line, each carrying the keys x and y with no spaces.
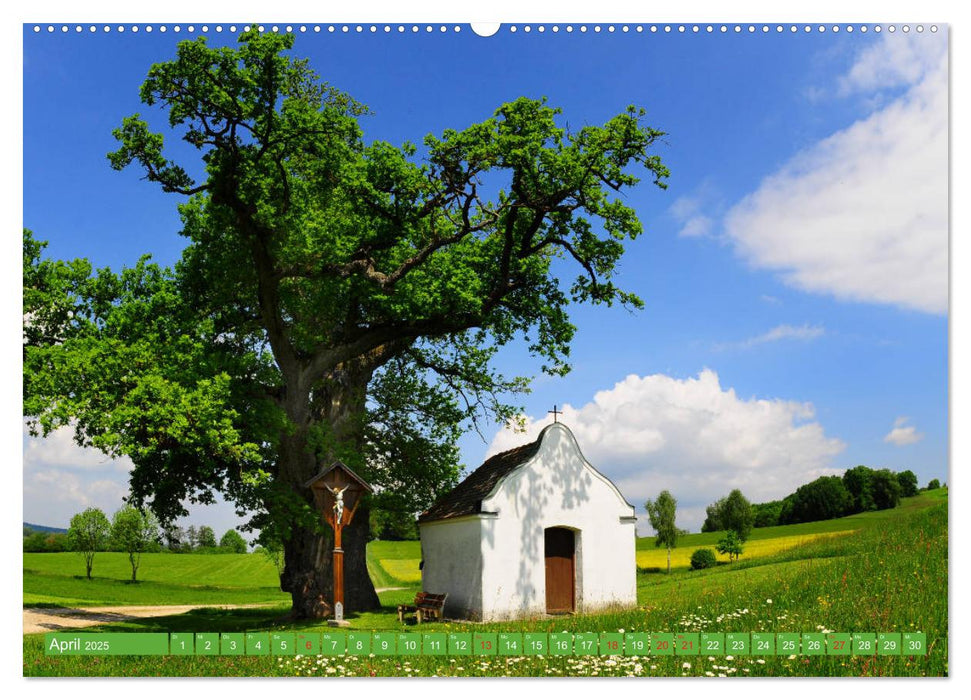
{"x":59,"y":450}
{"x":903,"y":434}
{"x":687,"y":211}
{"x":863,"y":214}
{"x":61,"y":479}
{"x":784,"y":332}
{"x":694,"y":438}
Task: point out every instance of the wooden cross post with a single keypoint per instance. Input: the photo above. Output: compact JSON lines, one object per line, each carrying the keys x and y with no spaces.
{"x":337,"y":492}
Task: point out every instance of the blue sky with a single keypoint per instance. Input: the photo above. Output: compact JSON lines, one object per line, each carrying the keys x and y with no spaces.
{"x":794,"y":271}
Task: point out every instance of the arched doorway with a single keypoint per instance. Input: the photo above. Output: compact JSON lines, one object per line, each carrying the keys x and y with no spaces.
{"x":560,"y":553}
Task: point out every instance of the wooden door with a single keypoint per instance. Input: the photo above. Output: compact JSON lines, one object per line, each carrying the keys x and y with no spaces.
{"x":560,"y":552}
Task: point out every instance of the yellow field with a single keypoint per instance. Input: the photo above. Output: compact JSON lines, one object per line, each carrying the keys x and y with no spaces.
{"x":405,"y":570}
{"x":753,"y":549}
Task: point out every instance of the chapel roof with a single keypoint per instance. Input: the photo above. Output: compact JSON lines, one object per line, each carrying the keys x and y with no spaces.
{"x":466,"y":497}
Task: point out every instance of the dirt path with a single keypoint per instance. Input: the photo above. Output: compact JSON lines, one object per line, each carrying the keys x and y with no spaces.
{"x":54,"y":619}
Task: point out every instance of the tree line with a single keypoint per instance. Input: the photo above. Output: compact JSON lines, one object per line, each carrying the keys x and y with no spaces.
{"x":133,"y":531}
{"x":859,"y":490}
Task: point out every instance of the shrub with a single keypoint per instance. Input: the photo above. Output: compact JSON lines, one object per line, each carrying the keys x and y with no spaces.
{"x":703,"y":559}
{"x":933,"y":484}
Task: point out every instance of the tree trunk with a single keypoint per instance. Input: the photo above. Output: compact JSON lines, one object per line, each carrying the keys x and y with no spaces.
{"x":669,"y":560}
{"x":308,"y":555}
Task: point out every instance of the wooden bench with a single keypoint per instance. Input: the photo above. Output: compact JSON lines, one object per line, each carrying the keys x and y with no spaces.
{"x":428,"y":606}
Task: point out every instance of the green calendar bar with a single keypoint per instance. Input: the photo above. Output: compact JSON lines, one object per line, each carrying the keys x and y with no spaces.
{"x":434,"y":644}
{"x":207,"y":643}
{"x":713,"y":643}
{"x":585,"y":643}
{"x":358,"y":643}
{"x":914,"y":644}
{"x":737,"y":644}
{"x":838,"y":644}
{"x":611,"y":643}
{"x":231,"y":644}
{"x":257,"y":644}
{"x":637,"y":644}
{"x":864,"y":644}
{"x":409,"y":644}
{"x":333,"y":643}
{"x":353,"y":643}
{"x":561,"y":643}
{"x":888,"y":644}
{"x":309,"y":643}
{"x":763,"y":643}
{"x":383,"y":644}
{"x":283,"y":644}
{"x":182,"y":644}
{"x":687,"y":644}
{"x":787,"y":643}
{"x":510,"y":643}
{"x":106,"y":644}
{"x":662,"y":644}
{"x":459,"y":644}
{"x":536,"y":643}
{"x":485,"y":643}
{"x":813,"y":644}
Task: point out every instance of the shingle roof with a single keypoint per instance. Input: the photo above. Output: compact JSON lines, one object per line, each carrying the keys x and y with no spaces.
{"x":466,"y":498}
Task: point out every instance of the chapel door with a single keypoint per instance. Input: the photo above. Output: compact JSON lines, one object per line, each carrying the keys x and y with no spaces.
{"x":560,"y":551}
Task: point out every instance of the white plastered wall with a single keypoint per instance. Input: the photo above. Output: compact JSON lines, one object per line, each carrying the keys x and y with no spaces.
{"x":452,"y":553}
{"x":557,"y":488}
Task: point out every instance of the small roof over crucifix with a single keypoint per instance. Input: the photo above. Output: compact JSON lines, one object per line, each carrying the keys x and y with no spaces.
{"x":555,"y":413}
{"x":337,"y":490}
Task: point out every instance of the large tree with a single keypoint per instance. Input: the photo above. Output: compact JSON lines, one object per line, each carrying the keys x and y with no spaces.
{"x":337,"y":299}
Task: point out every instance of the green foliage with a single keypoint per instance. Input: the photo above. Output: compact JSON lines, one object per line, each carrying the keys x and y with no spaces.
{"x":822,"y":499}
{"x":393,"y":526}
{"x":89,"y":533}
{"x":703,"y":559}
{"x":337,"y":298}
{"x":908,"y":483}
{"x":731,"y":544}
{"x":766,"y":514}
{"x":886,"y":489}
{"x":233,"y":542}
{"x":207,"y":537}
{"x":46,"y":542}
{"x":734,"y":512}
{"x":713,"y":514}
{"x":662,"y":513}
{"x":134,"y":531}
{"x":859,"y":482}
{"x":933,"y":484}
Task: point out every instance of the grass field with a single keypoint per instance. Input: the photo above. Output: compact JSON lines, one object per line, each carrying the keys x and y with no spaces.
{"x":888,"y":578}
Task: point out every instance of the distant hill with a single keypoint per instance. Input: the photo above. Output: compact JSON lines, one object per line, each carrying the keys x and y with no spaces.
{"x":44,"y":528}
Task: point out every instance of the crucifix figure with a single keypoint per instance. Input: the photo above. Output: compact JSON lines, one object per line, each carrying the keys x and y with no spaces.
{"x":555,"y":413}
{"x":338,"y":502}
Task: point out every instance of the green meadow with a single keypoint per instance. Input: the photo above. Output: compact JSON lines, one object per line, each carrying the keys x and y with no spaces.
{"x":887,"y":572}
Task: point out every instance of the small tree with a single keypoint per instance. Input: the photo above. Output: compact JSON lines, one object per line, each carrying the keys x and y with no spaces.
{"x":908,"y":483}
{"x":662,"y":514}
{"x":859,"y":482}
{"x":207,"y":537}
{"x":175,"y":537}
{"x":88,"y":533}
{"x":933,"y":484}
{"x":191,"y":537}
{"x":134,"y":532}
{"x":730,"y":544}
{"x":233,"y":542}
{"x":886,"y":489}
{"x":713,"y":517}
{"x":737,"y":515}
